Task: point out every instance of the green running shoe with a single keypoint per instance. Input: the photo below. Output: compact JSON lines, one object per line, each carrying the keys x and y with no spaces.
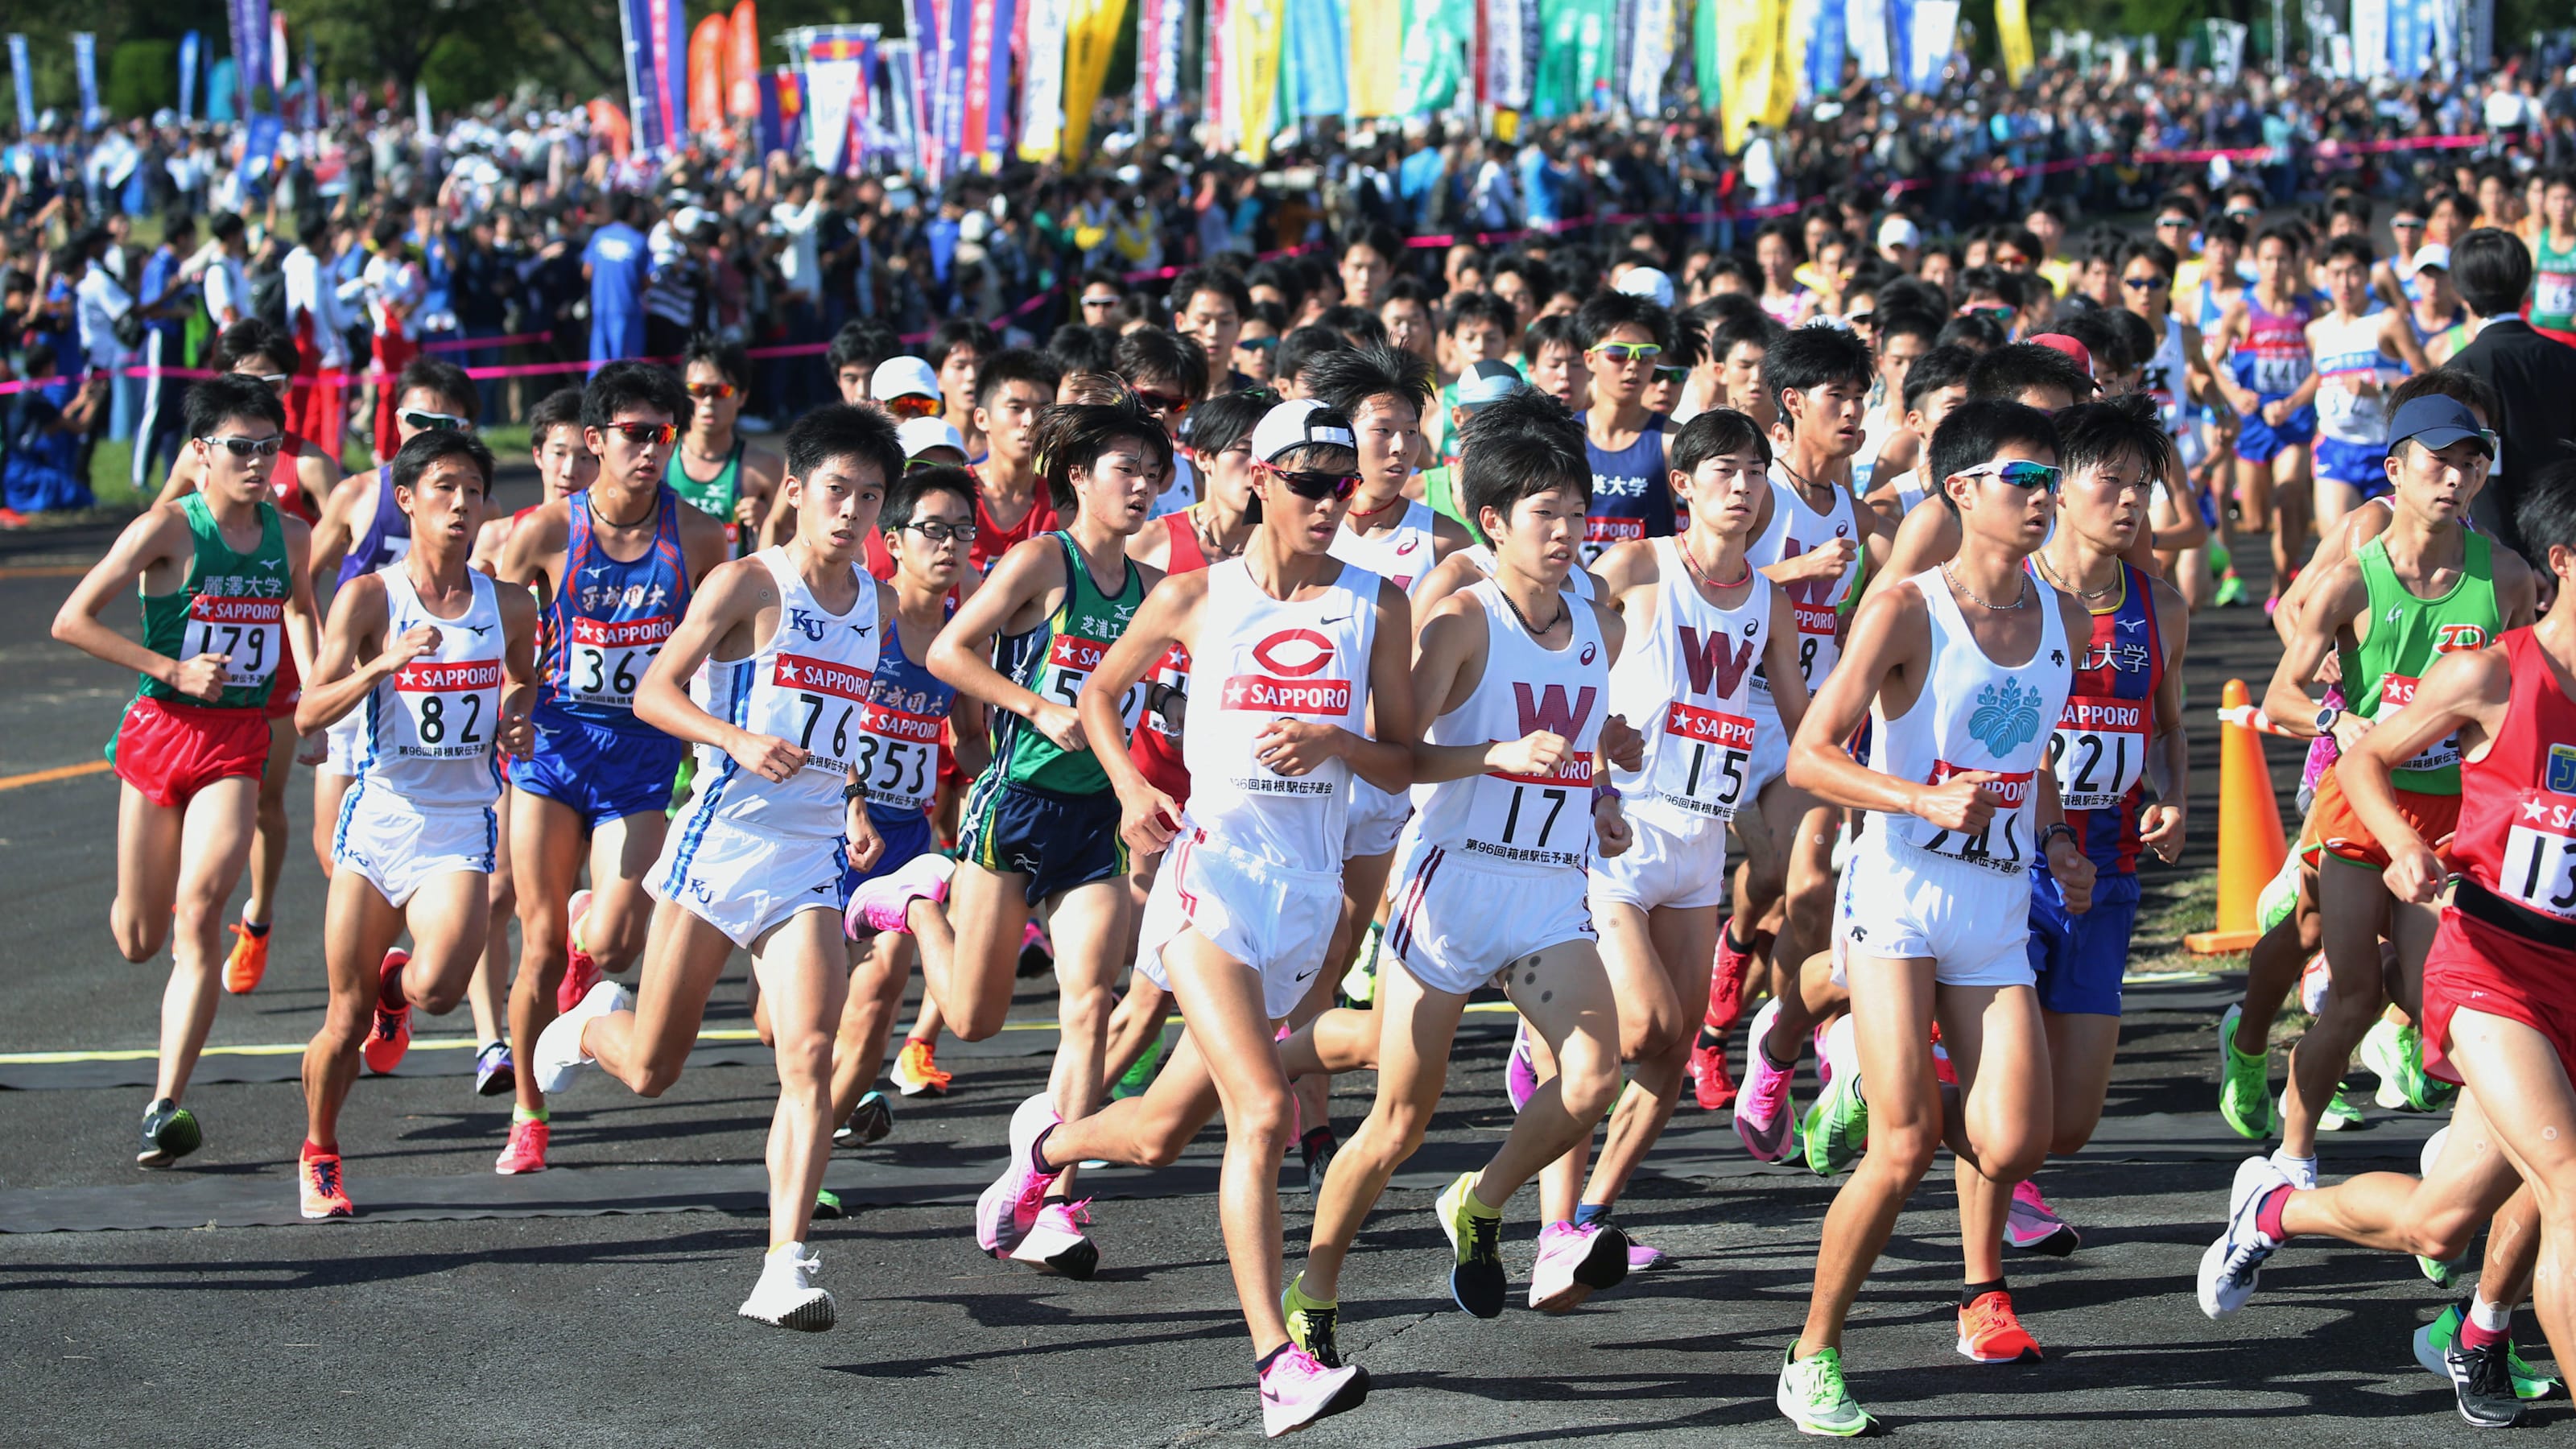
{"x":1141,"y":1075}
{"x":2280,"y":895}
{"x":2434,"y":1339}
{"x":2437,"y":1272}
{"x":1310,"y":1324}
{"x":1359,"y":984}
{"x":2231,"y":590}
{"x":170,"y":1132}
{"x":2340,"y":1114}
{"x":2396,"y":1053}
{"x":827,"y":1206}
{"x":1836,"y":1128}
{"x":1813,"y":1396}
{"x":2244,"y":1083}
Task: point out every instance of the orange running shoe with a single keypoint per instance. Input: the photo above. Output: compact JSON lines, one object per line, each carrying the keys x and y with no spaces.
{"x":916,"y":1073}
{"x":248,"y":961}
{"x":317,"y":1174}
{"x":389,"y":1034}
{"x":1989,"y":1333}
{"x":580,"y":972}
{"x":527,"y":1149}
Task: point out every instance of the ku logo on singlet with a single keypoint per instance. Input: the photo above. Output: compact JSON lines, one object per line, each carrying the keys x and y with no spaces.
{"x":2560,"y":774}
{"x":805,"y":624}
{"x":1290,"y":659}
{"x":2006,"y":718}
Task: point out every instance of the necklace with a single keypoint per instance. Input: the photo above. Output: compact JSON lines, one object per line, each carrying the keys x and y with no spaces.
{"x":1700,"y":575}
{"x":1357,"y":514}
{"x":1563,"y":611}
{"x":2056,"y":578}
{"x":1211,"y":542}
{"x":606,"y":522}
{"x":2018,"y":601}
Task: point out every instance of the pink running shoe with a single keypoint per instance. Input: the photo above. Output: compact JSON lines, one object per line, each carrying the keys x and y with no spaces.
{"x":1296,"y":1391}
{"x":1009,"y":1208}
{"x":1057,"y":1243}
{"x":1641,"y":1257}
{"x":580,"y":972}
{"x":2031,"y":1225}
{"x":389,"y":1033}
{"x":1764,"y":1116}
{"x":884,"y":903}
{"x":526,"y":1151}
{"x":1520,"y":1077}
{"x":1574,"y":1263}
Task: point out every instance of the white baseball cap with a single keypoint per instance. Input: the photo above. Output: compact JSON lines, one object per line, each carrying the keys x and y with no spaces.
{"x":903,"y":377}
{"x":2432,"y":254}
{"x":1649,"y":283}
{"x":1899,"y":231}
{"x":1297,"y":424}
{"x":920,"y":435}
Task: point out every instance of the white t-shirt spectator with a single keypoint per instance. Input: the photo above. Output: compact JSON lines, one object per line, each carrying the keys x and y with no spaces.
{"x":100,"y":300}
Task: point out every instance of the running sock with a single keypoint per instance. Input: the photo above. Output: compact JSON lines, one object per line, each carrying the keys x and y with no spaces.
{"x":1317,"y":1141}
{"x":1262,"y":1364}
{"x":1975,"y":1291}
{"x":2267,"y":1217}
{"x":1298,"y":1297}
{"x":313,"y":1149}
{"x":523,"y":1114}
{"x":1589,"y":1214}
{"x":2297,"y":1169}
{"x":2485,"y":1323}
{"x":1709,"y":1037}
{"x":1037,"y":1153}
{"x":389,"y":991}
{"x":1476,"y":1206}
{"x":254,"y":928}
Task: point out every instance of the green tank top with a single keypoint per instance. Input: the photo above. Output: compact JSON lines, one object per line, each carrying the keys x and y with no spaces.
{"x":2406,"y":634}
{"x":228,"y":603}
{"x":1055,"y":658}
{"x":715,"y":497}
{"x":2553,"y":282}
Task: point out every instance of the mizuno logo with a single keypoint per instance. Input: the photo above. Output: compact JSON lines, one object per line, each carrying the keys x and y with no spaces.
{"x":272,"y":564}
{"x":594,"y":571}
{"x":480,"y":629}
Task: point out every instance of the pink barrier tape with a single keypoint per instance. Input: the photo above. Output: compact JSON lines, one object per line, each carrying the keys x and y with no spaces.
{"x":468,"y":344}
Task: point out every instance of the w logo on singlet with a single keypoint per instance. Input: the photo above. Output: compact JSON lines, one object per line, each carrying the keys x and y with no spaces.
{"x":2006,"y":718}
{"x":1712,"y":662}
{"x":1807,"y":591}
{"x":1550,"y":711}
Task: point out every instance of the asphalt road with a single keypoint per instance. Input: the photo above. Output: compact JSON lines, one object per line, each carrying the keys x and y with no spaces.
{"x":593,"y":1304}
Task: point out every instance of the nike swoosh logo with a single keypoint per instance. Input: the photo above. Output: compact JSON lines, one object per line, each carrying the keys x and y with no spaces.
{"x":1337,"y":618}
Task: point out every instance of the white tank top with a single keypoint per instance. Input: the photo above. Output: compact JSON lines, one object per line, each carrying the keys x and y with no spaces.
{"x":1685,"y":684}
{"x":1262,"y":659}
{"x":1796,"y":529}
{"x":2166,"y":376}
{"x":1975,"y":714}
{"x":428,"y":731}
{"x":1577,"y":583}
{"x":2349,"y":350}
{"x":1876,"y":427}
{"x":807,"y":684}
{"x":1403,"y":555}
{"x":1530,"y":824}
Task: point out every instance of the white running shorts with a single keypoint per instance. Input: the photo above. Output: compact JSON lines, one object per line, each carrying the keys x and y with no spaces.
{"x":1376,"y":819}
{"x":1273,"y":918}
{"x":397,"y":845}
{"x":1454,"y":925}
{"x":1660,"y":868}
{"x":1898,"y":902}
{"x":742,"y":883}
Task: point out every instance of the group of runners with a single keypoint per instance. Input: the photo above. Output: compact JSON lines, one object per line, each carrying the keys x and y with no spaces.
{"x":1309,"y":709}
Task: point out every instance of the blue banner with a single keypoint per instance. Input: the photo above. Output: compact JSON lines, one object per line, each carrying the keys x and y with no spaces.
{"x":20,"y":77}
{"x":85,"y":72}
{"x":189,"y":46}
{"x":219,"y":90}
{"x":2410,"y":38}
{"x":259,"y":142}
{"x":1826,"y":48}
{"x":1316,"y":57}
{"x":956,"y":24}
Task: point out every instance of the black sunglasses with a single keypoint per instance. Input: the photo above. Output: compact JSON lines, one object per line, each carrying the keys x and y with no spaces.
{"x":1318,"y":487}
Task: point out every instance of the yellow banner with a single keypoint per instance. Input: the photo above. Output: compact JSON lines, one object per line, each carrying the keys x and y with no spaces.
{"x":1756,"y":84}
{"x":1377,"y":56}
{"x":1254,"y":56}
{"x":1788,"y":57}
{"x":1089,"y":36}
{"x":2012,"y":31}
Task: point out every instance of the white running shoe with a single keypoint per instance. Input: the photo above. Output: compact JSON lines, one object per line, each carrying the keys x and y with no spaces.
{"x":1574,"y":1263}
{"x":1296,"y":1391}
{"x":559,"y":1054}
{"x":1009,"y":1208}
{"x":1057,"y":1243}
{"x":785,"y":1296}
{"x":2233,"y":1266}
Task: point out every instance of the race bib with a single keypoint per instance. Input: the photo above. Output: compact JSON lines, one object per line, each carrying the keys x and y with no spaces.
{"x":448,"y":708}
{"x":1070,"y":662}
{"x":2337,"y":403}
{"x":814,"y":704}
{"x":2553,"y":294}
{"x":608,"y":658}
{"x":2395,"y":692}
{"x":2539,"y":866}
{"x":1700,"y":765}
{"x":1534,"y":819}
{"x":2099,"y":752}
{"x":2278,"y":372}
{"x":898,"y":758}
{"x":2004,"y":845}
{"x":249,"y":631}
{"x":1600,"y":531}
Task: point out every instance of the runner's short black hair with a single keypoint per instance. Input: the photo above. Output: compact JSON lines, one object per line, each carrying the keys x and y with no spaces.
{"x":556,"y":409}
{"x":1517,"y":446}
{"x":252,"y":337}
{"x":954,"y":333}
{"x":2349,"y":245}
{"x":725,"y":357}
{"x":2491,"y":270}
{"x":1714,"y":434}
{"x":865,"y":342}
{"x":1082,"y":349}
{"x":1017,"y":364}
{"x":2017,"y":367}
{"x":2545,"y":515}
{"x":2091,"y":435}
{"x":1555,"y":330}
{"x":1943,"y":366}
{"x":904,"y":494}
{"x":1480,"y":307}
{"x":1302,"y":346}
{"x":1906,"y":322}
{"x":1809,"y":358}
{"x":1074,"y":435}
{"x":1226,"y":419}
{"x":2101,"y":337}
{"x":845,"y":430}
{"x":1348,"y":379}
{"x":437,"y":445}
{"x":1607,"y":312}
{"x":445,"y":379}
{"x":627,"y":383}
{"x":2456,"y":383}
{"x":1155,"y":351}
{"x":1220,"y":280}
{"x":1975,"y":331}
{"x":1977,"y":430}
{"x":1378,"y":237}
{"x":215,"y":401}
{"x":1359,"y":326}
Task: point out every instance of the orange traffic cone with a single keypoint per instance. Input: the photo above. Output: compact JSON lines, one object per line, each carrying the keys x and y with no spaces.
{"x":2250,"y":843}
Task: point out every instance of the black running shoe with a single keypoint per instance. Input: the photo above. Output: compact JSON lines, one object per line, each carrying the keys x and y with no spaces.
{"x":2482,"y":1380}
{"x":170,"y":1132}
{"x":869,"y":1122}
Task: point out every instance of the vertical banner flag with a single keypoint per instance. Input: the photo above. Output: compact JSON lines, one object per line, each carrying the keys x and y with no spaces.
{"x":707,"y":74}
{"x":1216,"y":93}
{"x":220,"y":90}
{"x":1253,"y":50}
{"x":743,"y":95}
{"x":85,"y":72}
{"x":1744,"y":67}
{"x":1318,"y":49}
{"x":1705,"y":70}
{"x":950,"y":102}
{"x":985,"y":114}
{"x":2369,"y":39}
{"x":834,"y":67}
{"x":1377,"y":45}
{"x":1091,"y":33}
{"x":1511,"y":48}
{"x":606,"y":120}
{"x":189,"y":45}
{"x":1159,"y":30}
{"x":670,"y":67}
{"x":921,"y":19}
{"x":279,"y":58}
{"x":1865,"y":22}
{"x":1042,"y":81}
{"x":1934,"y":38}
{"x":1828,"y":45}
{"x":1438,"y":38}
{"x":312,"y":86}
{"x":19,"y":78}
{"x":1651,"y":58}
{"x":2012,"y":32}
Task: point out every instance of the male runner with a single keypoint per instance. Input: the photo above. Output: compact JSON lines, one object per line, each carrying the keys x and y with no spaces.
{"x":1013,"y":503}
{"x":1512,"y":676}
{"x":1701,"y":623}
{"x":226,"y":599}
{"x":2360,"y":354}
{"x":1623,"y":336}
{"x":1936,"y":383}
{"x":2179,"y":378}
{"x":2553,"y":257}
{"x":2491,"y":1016}
{"x":2263,"y":335}
{"x":419,"y":651}
{"x":2427,"y":586}
{"x":1957,"y":670}
{"x":789,"y":639}
{"x":614,"y":567}
{"x":1041,"y":824}
{"x":715,"y":470}
{"x":1288,"y":648}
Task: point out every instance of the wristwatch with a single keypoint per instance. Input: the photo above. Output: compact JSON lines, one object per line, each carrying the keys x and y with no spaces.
{"x":2327,"y":716}
{"x":2056,"y":830}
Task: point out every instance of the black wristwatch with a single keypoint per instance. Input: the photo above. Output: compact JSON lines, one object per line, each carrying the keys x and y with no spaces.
{"x":854,"y":790}
{"x":2054,"y":831}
